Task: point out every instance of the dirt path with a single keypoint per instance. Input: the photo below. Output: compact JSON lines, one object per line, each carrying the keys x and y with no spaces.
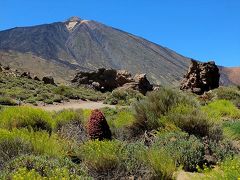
{"x":75,"y":105}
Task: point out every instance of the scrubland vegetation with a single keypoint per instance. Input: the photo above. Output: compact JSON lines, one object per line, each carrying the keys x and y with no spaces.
{"x":17,"y":89}
{"x":159,"y":136}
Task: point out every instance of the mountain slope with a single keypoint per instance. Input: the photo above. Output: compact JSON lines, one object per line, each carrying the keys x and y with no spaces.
{"x":60,"y":48}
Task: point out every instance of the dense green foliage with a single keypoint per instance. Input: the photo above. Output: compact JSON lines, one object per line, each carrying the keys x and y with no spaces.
{"x":161,"y":134}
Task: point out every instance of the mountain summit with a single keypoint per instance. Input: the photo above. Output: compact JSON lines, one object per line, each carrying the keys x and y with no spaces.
{"x":61,"y":48}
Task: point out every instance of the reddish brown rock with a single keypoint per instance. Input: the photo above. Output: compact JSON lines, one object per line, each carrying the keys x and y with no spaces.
{"x":201,"y":77}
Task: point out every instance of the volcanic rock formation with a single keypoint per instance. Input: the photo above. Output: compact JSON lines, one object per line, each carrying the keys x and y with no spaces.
{"x":110,"y":79}
{"x":201,"y":77}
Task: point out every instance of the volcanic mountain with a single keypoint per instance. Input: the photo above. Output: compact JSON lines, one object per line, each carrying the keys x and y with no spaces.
{"x":61,"y":48}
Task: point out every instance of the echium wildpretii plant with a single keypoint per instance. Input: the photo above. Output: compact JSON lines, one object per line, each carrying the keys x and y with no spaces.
{"x":98,"y":127}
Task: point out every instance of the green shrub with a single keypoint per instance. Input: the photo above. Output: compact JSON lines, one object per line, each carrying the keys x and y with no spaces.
{"x":67,"y":116}
{"x":100,"y":155}
{"x":124,"y":119}
{"x":229,"y":169}
{"x":24,"y":173}
{"x":193,"y":121}
{"x":148,"y":111}
{"x":132,"y":158}
{"x":69,"y":124}
{"x":221,"y":109}
{"x":40,"y":141}
{"x":220,"y":150}
{"x":21,"y":117}
{"x":232,"y":130}
{"x":43,"y":166}
{"x":161,"y":162}
{"x":12,"y":146}
{"x":229,"y":93}
{"x":185,"y":150}
{"x":7,"y":101}
{"x":120,"y":120}
{"x":123,"y":97}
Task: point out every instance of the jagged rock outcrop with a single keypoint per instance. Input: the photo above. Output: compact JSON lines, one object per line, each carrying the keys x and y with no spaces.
{"x":201,"y":77}
{"x":26,"y":75}
{"x":110,"y":79}
{"x":48,"y":80}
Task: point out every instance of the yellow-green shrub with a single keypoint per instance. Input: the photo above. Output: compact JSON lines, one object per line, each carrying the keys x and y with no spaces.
{"x":161,"y":162}
{"x":221,"y":109}
{"x":43,"y":167}
{"x":100,"y":155}
{"x":124,"y":119}
{"x":23,"y":117}
{"x":229,"y":169}
{"x":67,"y":116}
{"x":193,"y":121}
{"x":40,"y":141}
{"x":232,"y":129}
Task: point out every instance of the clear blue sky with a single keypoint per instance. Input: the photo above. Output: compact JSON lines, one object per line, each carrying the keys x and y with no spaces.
{"x":201,"y":29}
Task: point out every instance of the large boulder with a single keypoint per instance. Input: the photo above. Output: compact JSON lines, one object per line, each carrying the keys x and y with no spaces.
{"x":110,"y":79}
{"x":201,"y":77}
{"x":48,"y":80}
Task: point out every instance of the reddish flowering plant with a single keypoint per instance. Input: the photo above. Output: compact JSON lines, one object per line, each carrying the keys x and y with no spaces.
{"x":98,"y":127}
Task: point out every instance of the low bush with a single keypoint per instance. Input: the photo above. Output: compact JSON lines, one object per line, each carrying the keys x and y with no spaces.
{"x":43,"y":167}
{"x":12,"y":146}
{"x":231,"y":129}
{"x":218,"y":151}
{"x":229,"y":169}
{"x":161,"y":162}
{"x":228,"y":93}
{"x":100,"y":155}
{"x":41,"y":143}
{"x":148,"y":111}
{"x":69,"y":124}
{"x":132,"y":161}
{"x":67,"y":116}
{"x":23,"y":117}
{"x":194,"y":121}
{"x":123,"y":97}
{"x":7,"y":101}
{"x":120,"y":121}
{"x":185,"y":150}
{"x":221,"y":109}
{"x":123,"y":119}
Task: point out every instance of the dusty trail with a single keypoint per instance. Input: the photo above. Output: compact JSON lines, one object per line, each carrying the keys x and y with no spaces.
{"x":75,"y":105}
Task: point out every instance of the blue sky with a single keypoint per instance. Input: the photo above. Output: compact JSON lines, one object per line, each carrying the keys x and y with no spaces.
{"x":201,"y":29}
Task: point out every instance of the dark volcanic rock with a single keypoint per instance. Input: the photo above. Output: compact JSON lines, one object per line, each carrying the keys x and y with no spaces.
{"x":110,"y":79}
{"x":26,"y":75}
{"x":36,"y":78}
{"x":201,"y":77}
{"x":48,"y":80}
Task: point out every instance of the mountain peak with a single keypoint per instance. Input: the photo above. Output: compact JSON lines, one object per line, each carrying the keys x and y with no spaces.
{"x":72,"y":22}
{"x":74,"y":19}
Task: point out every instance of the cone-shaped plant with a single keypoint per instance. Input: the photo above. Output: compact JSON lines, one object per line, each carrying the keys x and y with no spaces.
{"x":98,"y":127}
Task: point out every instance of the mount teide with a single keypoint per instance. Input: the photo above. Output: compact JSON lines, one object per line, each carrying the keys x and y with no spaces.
{"x":61,"y":48}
